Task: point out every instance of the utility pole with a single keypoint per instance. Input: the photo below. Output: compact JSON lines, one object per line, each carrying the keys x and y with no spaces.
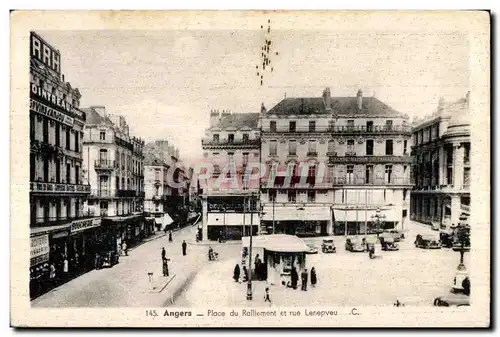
{"x":249,"y":284}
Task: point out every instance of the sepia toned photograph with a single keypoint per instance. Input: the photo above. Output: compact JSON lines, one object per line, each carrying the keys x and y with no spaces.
{"x":219,"y":168}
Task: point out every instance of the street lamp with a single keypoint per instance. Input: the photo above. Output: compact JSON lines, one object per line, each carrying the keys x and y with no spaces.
{"x":249,"y":284}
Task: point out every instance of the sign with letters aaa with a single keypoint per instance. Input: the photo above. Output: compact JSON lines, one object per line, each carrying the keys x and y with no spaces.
{"x":39,"y":245}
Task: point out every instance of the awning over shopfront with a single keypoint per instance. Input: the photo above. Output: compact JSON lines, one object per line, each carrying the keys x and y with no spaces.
{"x":48,"y":229}
{"x":231,"y":219}
{"x":362,"y":216}
{"x":297,"y":213}
{"x":277,"y":243}
{"x":165,"y":220}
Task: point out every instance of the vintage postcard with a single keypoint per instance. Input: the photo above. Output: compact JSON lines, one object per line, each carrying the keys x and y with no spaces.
{"x":256,"y":169}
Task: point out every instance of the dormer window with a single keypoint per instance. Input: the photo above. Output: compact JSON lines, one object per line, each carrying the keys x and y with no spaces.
{"x":230,"y":138}
{"x":216,"y":137}
{"x":245,"y":137}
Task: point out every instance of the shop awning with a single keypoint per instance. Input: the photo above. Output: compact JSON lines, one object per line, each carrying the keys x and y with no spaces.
{"x":297,"y":213}
{"x":48,"y":229}
{"x":362,"y":216}
{"x":277,"y":243}
{"x":231,"y":219}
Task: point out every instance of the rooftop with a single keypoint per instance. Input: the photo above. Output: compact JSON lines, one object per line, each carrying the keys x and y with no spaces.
{"x":236,"y":121}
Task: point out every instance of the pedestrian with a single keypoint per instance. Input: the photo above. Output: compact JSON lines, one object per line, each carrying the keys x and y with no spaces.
{"x":304,"y":280}
{"x":267,"y":297}
{"x":163,"y":253}
{"x":236,"y":273}
{"x":257,"y":266}
{"x":184,"y":247}
{"x":314,"y":279}
{"x":65,"y":268}
{"x":125,"y":248}
{"x":170,"y":236}
{"x":245,"y":274}
{"x":295,"y":278}
{"x":52,"y":275}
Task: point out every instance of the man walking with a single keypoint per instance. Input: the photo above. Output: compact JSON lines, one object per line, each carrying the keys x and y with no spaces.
{"x":304,"y":280}
{"x":184,"y":247}
{"x":163,"y":254}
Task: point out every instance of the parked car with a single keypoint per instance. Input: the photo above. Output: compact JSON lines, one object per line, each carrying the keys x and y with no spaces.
{"x":427,"y":242}
{"x":328,"y":246}
{"x":452,"y":300}
{"x":312,"y":249}
{"x":436,"y":226}
{"x":354,"y":245}
{"x":446,"y":238}
{"x":390,"y":244}
{"x":106,"y":259}
{"x":457,"y":246}
{"x":395,"y":234}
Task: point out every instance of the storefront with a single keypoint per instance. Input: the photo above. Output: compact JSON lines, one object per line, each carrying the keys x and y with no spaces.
{"x":39,"y":267}
{"x":301,"y":220}
{"x":230,"y":225}
{"x":81,"y":250}
{"x":116,"y":230}
{"x":359,"y":221}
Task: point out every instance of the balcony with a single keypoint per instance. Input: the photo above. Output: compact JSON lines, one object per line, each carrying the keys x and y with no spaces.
{"x":331,"y":154}
{"x":380,"y":129}
{"x":102,"y":193}
{"x":312,"y":153}
{"x":394,"y":181}
{"x":62,"y":219}
{"x":126,"y":193}
{"x":353,"y":159}
{"x":245,"y":143}
{"x":104,"y":164}
{"x":350,"y":153}
{"x":40,"y":187}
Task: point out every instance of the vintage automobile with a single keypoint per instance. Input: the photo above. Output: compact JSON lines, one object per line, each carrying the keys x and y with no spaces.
{"x":427,"y":242}
{"x":328,"y":246}
{"x":312,"y":249}
{"x":452,"y":300}
{"x":353,"y":245}
{"x":435,"y":226}
{"x":106,"y":259}
{"x":390,"y":244}
{"x":446,"y":238}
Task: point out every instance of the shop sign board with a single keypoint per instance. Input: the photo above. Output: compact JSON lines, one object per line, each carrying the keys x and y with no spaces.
{"x":39,"y":246}
{"x":81,"y":225}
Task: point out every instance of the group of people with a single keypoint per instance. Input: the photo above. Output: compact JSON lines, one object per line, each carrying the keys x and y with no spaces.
{"x":164,"y":258}
{"x":304,"y":276}
{"x":237,"y":273}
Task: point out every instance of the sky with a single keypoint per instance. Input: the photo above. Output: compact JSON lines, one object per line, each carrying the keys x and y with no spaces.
{"x":165,"y":82}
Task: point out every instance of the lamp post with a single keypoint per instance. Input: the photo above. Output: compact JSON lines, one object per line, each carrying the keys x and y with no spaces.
{"x":379,"y":219}
{"x":462,"y":273}
{"x":249,"y":284}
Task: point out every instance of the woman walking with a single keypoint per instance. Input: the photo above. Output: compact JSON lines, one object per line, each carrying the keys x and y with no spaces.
{"x":314,"y":279}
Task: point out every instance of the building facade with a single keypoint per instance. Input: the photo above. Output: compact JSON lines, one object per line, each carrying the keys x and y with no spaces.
{"x":335,"y":165}
{"x":441,"y":165}
{"x":114,"y":166}
{"x":60,"y":229}
{"x":167,"y":194}
{"x":230,"y":144}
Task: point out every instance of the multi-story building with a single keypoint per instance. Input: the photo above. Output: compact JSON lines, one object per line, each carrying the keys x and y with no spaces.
{"x":59,"y":227}
{"x":114,"y":166}
{"x":166,"y":198}
{"x":441,"y":164}
{"x":231,"y":142}
{"x":336,"y":165}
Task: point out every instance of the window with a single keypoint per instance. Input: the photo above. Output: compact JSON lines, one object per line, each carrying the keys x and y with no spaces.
{"x":68,"y":173}
{"x":273,"y":148}
{"x":350,"y":147}
{"x":350,"y":174}
{"x":231,"y":158}
{"x":311,"y":196}
{"x":350,"y":125}
{"x":32,"y":167}
{"x":45,"y":129}
{"x":58,"y":171}
{"x":369,"y":126}
{"x":312,"y":147}
{"x":245,"y":158}
{"x":216,"y":137}
{"x":272,"y":126}
{"x":466,"y":176}
{"x":369,"y":147}
{"x":405,"y":191}
{"x":331,"y":125}
{"x":312,"y":126}
{"x":245,"y":137}
{"x":117,"y":183}
{"x":230,"y":138}
{"x":77,"y":174}
{"x":77,"y":141}
{"x":157,"y":175}
{"x":292,"y":196}
{"x":389,"y":147}
{"x":32,"y":126}
{"x":369,"y":174}
{"x":388,"y":174}
{"x":272,"y":195}
{"x":58,"y":135}
{"x":331,"y":146}
{"x":292,"y":148}
{"x":467,"y":153}
{"x":102,"y":135}
{"x":388,"y":125}
{"x":68,"y":135}
{"x":292,"y":126}
{"x":405,"y":146}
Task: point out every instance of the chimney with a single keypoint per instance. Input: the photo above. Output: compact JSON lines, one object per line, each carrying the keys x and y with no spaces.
{"x":214,"y":117}
{"x":360,"y":99}
{"x":467,"y":98}
{"x":327,"y":99}
{"x":100,"y":109}
{"x":263,"y":109}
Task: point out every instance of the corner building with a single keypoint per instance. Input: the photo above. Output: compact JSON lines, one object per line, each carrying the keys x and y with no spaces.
{"x":59,"y":228}
{"x":231,"y":142}
{"x":441,"y":165}
{"x":114,"y":166}
{"x":334,"y":164}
